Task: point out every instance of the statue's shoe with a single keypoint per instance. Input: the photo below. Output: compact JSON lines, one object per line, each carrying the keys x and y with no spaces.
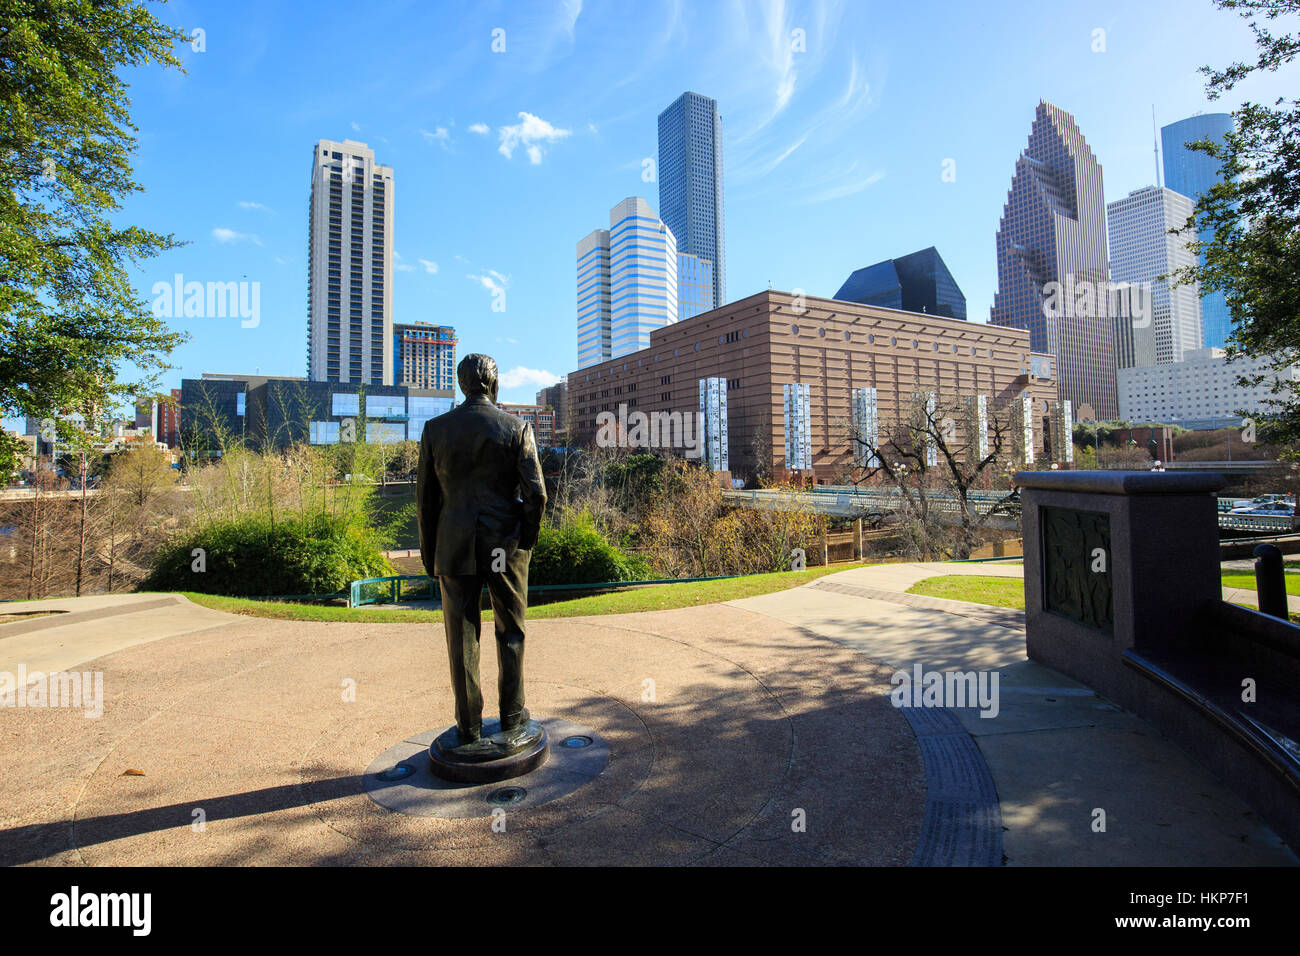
{"x":483,"y":748}
{"x":517,"y":723}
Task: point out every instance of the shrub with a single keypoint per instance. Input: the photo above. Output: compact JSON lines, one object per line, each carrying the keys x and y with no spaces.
{"x":578,"y":553}
{"x":252,"y":556}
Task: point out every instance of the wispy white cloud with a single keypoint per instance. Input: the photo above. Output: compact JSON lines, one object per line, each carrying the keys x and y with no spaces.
{"x":439,"y":136}
{"x":399,"y":265}
{"x":480,"y":128}
{"x":249,"y":204}
{"x":356,"y":127}
{"x":521,"y":375}
{"x":847,"y":188}
{"x":492,"y":280}
{"x":224,"y":235}
{"x":430,"y":266}
{"x":570,"y":10}
{"x":532,"y":132}
{"x":771,"y":164}
{"x":778,"y":54}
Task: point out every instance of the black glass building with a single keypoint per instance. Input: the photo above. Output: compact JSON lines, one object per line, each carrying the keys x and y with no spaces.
{"x":919,"y":282}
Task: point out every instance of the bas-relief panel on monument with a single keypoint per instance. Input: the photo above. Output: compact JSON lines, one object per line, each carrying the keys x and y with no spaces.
{"x":1076,"y":567}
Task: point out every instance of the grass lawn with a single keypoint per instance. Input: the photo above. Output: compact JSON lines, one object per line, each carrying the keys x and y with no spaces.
{"x":655,"y":598}
{"x":1000,"y":592}
{"x":1010,"y":592}
{"x":1246,"y":579}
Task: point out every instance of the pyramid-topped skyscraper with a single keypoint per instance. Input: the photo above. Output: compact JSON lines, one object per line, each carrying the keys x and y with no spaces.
{"x":1052,"y":263}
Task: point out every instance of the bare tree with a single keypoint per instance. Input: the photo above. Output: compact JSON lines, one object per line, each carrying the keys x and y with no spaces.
{"x":759,"y":449}
{"x":943,"y":450}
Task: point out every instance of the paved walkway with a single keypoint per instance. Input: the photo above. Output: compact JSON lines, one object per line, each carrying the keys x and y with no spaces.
{"x":734,"y":740}
{"x":1057,"y":752}
{"x":753,"y":732}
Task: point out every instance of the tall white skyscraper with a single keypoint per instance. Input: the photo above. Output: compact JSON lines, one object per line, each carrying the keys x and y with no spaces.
{"x":1141,"y":249}
{"x":642,"y":275}
{"x":627,"y":283}
{"x":593,"y":298}
{"x":350,"y":266}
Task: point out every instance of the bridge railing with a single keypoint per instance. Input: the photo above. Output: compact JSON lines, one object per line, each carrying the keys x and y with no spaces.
{"x":1267,"y":523}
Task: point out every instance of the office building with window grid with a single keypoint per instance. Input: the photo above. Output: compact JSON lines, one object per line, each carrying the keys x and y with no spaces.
{"x":541,"y":417}
{"x":350,"y":266}
{"x":1201,"y":391}
{"x":690,"y":183}
{"x":1141,"y":250}
{"x":424,"y":355}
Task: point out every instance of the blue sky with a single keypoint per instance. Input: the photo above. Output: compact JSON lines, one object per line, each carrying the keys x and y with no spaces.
{"x":833,"y":154}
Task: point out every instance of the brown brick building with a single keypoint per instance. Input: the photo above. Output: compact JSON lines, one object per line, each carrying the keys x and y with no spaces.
{"x":541,"y":417}
{"x":763,"y":342}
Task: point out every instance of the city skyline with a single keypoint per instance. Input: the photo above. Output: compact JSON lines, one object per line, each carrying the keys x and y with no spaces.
{"x":818,"y":142}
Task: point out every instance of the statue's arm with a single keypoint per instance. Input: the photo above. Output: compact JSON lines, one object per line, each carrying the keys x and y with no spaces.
{"x":532,"y":489}
{"x":428,"y":503}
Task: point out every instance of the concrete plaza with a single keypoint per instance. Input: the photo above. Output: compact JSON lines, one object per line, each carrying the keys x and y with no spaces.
{"x":757,"y":732}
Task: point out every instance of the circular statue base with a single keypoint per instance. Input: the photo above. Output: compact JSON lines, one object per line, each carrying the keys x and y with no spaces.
{"x":401,"y":779}
{"x":496,"y":755}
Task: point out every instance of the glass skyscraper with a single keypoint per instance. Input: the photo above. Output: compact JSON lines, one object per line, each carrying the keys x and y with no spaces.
{"x":694,"y":285}
{"x":1053,"y":230}
{"x":690,"y":182}
{"x":919,"y":282}
{"x":1192,"y":173}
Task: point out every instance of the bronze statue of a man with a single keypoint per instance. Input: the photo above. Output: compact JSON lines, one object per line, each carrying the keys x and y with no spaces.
{"x":479,"y":500}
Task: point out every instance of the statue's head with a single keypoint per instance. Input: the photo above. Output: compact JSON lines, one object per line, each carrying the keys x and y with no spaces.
{"x":477,"y":375}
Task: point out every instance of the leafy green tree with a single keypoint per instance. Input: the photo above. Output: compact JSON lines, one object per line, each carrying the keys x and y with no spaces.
{"x":1253,"y":255}
{"x":70,"y":320}
{"x":11,"y":456}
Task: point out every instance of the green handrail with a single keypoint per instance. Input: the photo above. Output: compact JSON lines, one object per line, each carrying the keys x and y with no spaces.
{"x":394,"y":581}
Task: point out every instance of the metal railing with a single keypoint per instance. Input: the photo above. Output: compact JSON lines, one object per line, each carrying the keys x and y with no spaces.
{"x":1274,"y":524}
{"x":357,"y":596}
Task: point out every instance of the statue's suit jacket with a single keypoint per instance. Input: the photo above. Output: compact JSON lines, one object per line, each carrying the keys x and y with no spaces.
{"x":480,"y":487}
